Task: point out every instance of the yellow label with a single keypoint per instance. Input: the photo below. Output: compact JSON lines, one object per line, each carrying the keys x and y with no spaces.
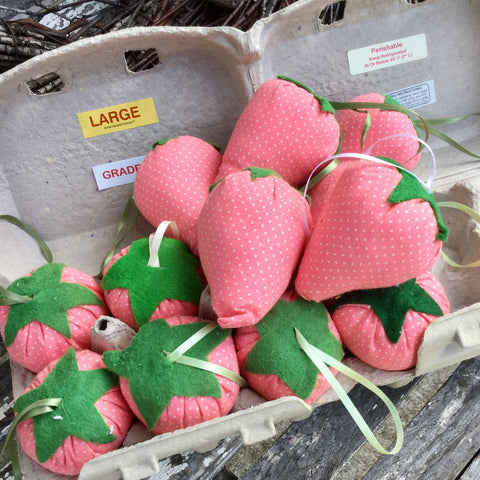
{"x":118,"y":117}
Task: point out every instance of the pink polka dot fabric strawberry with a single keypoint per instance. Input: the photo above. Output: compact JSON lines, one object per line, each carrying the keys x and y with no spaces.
{"x":42,"y":330}
{"x":163,"y":404}
{"x":118,"y":301}
{"x":375,"y":226}
{"x":73,"y":452}
{"x":390,"y":134}
{"x":367,"y":336}
{"x":382,"y":137}
{"x":172,"y":183}
{"x":270,"y":357}
{"x":284,"y":128}
{"x":250,"y":238}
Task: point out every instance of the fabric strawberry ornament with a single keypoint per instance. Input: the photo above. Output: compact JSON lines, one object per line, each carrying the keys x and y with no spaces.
{"x":163,"y":391}
{"x":56,"y":309}
{"x":250,"y":239}
{"x":375,"y":226}
{"x":384,"y":327}
{"x":172,"y":183}
{"x":285,"y":127}
{"x":271,"y":359}
{"x":91,"y":419}
{"x":386,"y":133}
{"x":152,"y":278}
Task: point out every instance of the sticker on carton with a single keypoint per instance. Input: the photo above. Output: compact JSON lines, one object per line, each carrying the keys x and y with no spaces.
{"x":387,"y":54}
{"x":415,"y":96}
{"x":117,"y":173}
{"x":118,"y":117}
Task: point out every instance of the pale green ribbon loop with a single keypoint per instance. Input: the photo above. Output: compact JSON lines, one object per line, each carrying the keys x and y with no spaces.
{"x":384,"y":106}
{"x":213,"y":368}
{"x":127,"y":221}
{"x":8,"y":298}
{"x":155,"y":240}
{"x":191,"y":341}
{"x":178,"y":356}
{"x":442,"y":136}
{"x":35,"y":409}
{"x":321,"y":175}
{"x":472,"y":214}
{"x":47,"y":253}
{"x":320,"y":359}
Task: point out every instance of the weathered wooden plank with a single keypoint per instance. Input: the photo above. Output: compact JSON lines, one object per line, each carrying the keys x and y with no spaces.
{"x":198,"y":466}
{"x":320,"y":445}
{"x":444,"y":437}
{"x":6,"y":408}
{"x":472,"y":471}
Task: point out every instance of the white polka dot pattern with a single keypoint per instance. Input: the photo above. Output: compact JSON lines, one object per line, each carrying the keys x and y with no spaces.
{"x":363,"y":333}
{"x":284,"y":129}
{"x":74,"y":452}
{"x":172,"y":184}
{"x":184,"y":412}
{"x":360,"y":240}
{"x":383,"y":124}
{"x":37,"y":344}
{"x":250,"y":238}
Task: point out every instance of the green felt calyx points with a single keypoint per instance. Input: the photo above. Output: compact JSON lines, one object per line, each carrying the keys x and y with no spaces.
{"x":392,"y":304}
{"x":257,"y":172}
{"x":409,"y":188}
{"x":162,"y":141}
{"x":76,"y":414}
{"x":147,"y":286}
{"x":324,"y":103}
{"x":278,"y":352}
{"x":152,"y":378}
{"x":50,"y":301}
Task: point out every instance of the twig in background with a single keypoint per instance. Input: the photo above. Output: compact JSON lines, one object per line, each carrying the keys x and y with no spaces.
{"x":25,"y":38}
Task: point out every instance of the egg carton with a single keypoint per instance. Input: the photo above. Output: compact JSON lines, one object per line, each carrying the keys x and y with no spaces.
{"x":202,"y":81}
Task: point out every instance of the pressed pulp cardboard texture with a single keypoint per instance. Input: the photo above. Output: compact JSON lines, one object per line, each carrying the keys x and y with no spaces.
{"x":202,"y":83}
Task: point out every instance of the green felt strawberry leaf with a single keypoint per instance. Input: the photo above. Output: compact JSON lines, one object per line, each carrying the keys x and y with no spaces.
{"x":76,"y":415}
{"x":409,"y":188}
{"x":176,"y":278}
{"x":154,"y":379}
{"x":257,"y":172}
{"x":51,"y":300}
{"x":392,"y":304}
{"x":278,"y":352}
{"x":162,"y":141}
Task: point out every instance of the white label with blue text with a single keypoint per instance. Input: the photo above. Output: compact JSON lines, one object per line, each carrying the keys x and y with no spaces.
{"x":415,"y":96}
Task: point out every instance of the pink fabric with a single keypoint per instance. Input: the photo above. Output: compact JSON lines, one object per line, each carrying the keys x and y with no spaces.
{"x":250,"y":239}
{"x":283,"y":128}
{"x":74,"y":453}
{"x":184,"y":412}
{"x":363,"y":334}
{"x":360,"y":240}
{"x":118,"y":301}
{"x":36,"y":345}
{"x":383,"y":124}
{"x":271,"y":386}
{"x":172,"y":184}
